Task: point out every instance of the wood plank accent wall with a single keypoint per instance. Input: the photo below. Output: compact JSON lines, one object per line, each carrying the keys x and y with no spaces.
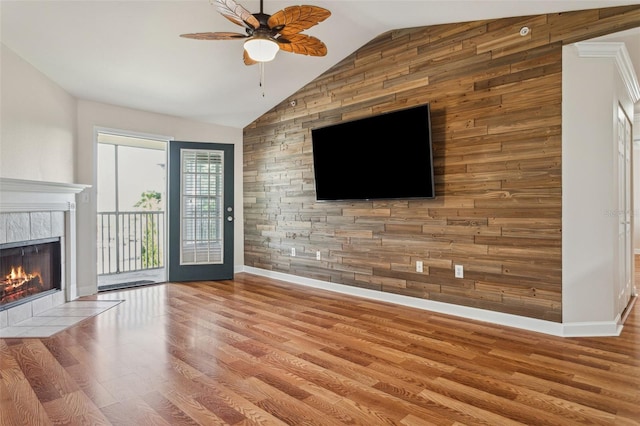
{"x":496,"y":115}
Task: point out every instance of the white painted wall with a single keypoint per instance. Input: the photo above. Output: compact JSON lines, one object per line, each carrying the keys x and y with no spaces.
{"x":37,"y":123}
{"x":592,"y":88}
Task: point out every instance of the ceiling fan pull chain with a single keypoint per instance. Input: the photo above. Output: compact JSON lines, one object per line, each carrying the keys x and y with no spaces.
{"x":262,"y":77}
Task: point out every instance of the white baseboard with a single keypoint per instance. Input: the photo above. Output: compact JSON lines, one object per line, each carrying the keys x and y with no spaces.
{"x":590,"y":329}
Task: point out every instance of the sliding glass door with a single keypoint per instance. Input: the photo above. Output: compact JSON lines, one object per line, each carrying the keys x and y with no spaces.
{"x":131,"y":196}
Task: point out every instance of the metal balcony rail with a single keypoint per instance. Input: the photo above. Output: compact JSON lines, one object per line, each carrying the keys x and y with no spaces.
{"x":130,"y":241}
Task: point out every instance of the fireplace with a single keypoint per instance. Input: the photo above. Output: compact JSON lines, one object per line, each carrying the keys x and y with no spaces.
{"x":39,"y":212}
{"x":28,"y":270}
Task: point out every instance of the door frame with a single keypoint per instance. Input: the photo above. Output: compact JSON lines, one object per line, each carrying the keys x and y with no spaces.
{"x":117,"y":132}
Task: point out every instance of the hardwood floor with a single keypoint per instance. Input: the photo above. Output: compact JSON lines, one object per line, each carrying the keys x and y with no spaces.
{"x":259,"y":351}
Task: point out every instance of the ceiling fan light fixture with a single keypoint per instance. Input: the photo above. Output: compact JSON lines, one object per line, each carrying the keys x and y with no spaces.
{"x":265,"y":34}
{"x":261,"y":49}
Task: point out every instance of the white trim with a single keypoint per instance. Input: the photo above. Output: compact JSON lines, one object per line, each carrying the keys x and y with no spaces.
{"x":22,"y":185}
{"x":619,"y":52}
{"x":14,"y":207}
{"x":19,"y":195}
{"x":129,"y":133}
{"x":591,"y":329}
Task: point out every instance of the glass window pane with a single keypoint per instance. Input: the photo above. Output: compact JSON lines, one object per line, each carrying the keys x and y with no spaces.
{"x":202,"y":193}
{"x":141,"y":172}
{"x":106,"y":195}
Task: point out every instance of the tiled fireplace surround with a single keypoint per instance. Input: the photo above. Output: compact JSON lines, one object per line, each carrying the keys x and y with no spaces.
{"x":31,"y":210}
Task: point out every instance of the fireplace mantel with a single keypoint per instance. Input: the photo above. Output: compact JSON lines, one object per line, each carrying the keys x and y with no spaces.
{"x":14,"y":185}
{"x":17,"y":195}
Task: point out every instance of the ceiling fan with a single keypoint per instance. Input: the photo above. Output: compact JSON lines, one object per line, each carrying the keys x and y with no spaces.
{"x":266,"y":34}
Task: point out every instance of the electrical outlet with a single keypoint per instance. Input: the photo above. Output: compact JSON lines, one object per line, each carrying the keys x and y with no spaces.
{"x":293,"y":251}
{"x":459,"y":271}
{"x":318,"y":255}
{"x":419,"y":266}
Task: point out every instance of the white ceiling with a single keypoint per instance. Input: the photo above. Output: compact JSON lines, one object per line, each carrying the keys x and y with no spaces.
{"x":129,"y":53}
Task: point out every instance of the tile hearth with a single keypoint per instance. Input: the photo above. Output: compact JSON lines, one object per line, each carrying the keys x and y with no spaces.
{"x":57,"y":319}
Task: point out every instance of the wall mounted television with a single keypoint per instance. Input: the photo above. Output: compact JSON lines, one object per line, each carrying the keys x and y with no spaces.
{"x":385,"y":156}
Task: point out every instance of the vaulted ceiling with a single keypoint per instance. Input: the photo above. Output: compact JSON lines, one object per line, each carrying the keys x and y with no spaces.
{"x":129,"y":53}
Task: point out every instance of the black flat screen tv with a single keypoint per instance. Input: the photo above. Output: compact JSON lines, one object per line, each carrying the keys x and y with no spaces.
{"x":386,"y":156}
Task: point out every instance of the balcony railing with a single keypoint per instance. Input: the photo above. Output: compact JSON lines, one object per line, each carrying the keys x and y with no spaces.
{"x":130,"y":241}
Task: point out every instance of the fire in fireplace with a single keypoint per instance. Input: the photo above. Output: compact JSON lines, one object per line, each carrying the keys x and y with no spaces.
{"x":28,"y":269}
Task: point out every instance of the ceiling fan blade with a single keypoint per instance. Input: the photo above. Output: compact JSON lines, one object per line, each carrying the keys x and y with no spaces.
{"x":297,"y":18}
{"x":214,"y":36}
{"x":247,"y":59}
{"x":303,"y":44}
{"x":237,"y":14}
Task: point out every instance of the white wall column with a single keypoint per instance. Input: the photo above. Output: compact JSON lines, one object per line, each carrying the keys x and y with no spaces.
{"x":597,"y":78}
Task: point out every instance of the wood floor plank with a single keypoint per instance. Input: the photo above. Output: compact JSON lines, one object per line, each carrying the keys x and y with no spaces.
{"x":239,"y":405}
{"x":19,"y":400}
{"x":257,"y":351}
{"x":133,"y":412}
{"x":74,"y":408}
